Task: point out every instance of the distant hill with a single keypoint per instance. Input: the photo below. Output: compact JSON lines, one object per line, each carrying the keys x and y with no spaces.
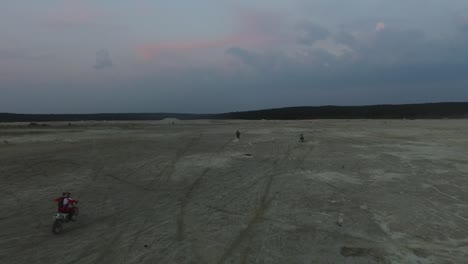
{"x":408,"y":111}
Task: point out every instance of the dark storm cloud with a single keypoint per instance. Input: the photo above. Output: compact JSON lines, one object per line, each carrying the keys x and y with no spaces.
{"x":345,"y":38}
{"x":244,"y":55}
{"x":398,"y":47}
{"x":263,"y":61}
{"x":103,"y":60}
{"x":311,"y":32}
{"x":391,"y":57}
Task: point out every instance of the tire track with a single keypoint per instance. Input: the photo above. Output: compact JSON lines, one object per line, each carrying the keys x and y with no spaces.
{"x":180,"y":234}
{"x":259,"y":212}
{"x":264,"y":204}
{"x":137,"y":169}
{"x":106,"y":251}
{"x":167,"y":170}
{"x":180,"y":154}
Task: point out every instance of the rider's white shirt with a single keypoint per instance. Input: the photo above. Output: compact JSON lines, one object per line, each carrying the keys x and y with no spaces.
{"x":66,"y":201}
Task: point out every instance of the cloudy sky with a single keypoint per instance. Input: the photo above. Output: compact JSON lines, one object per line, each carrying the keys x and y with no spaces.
{"x":206,"y":56}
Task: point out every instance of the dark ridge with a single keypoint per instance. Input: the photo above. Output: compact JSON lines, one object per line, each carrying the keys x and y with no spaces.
{"x":407,"y":111}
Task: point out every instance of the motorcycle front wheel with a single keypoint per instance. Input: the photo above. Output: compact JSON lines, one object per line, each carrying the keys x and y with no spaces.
{"x":75,"y":214}
{"x":57,"y":226}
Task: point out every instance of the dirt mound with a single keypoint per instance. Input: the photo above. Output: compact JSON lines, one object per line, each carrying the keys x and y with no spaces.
{"x":171,"y":120}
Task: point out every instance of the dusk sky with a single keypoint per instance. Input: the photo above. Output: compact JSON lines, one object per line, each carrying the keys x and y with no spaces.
{"x":209,"y":56}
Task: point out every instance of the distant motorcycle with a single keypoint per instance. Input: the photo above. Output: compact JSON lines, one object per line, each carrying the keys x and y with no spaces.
{"x":301,"y":137}
{"x":61,"y":218}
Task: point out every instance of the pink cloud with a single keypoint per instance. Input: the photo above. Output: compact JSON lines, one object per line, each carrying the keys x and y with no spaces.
{"x":380,"y":26}
{"x":151,"y":50}
{"x":255,"y":29}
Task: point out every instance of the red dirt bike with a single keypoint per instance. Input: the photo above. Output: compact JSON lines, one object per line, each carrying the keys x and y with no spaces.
{"x":61,"y":218}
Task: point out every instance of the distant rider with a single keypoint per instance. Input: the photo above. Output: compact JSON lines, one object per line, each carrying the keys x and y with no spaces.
{"x":238,"y":134}
{"x":65,"y":204}
{"x":301,"y":137}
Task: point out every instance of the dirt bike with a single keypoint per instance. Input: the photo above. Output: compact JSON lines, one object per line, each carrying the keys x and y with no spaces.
{"x":61,"y":218}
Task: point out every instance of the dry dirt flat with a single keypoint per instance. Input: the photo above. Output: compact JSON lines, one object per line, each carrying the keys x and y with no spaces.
{"x":357,"y":191}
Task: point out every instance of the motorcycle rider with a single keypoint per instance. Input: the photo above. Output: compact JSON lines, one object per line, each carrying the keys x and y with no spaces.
{"x":59,"y":201}
{"x":65,"y":204}
{"x":301,"y":137}
{"x":238,"y":134}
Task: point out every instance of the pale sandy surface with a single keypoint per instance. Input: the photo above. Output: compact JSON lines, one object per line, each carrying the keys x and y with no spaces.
{"x":357,"y":191}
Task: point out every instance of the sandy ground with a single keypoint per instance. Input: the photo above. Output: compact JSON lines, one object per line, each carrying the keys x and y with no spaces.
{"x":357,"y":191}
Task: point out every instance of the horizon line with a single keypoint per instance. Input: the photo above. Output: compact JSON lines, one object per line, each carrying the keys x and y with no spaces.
{"x":237,"y":111}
